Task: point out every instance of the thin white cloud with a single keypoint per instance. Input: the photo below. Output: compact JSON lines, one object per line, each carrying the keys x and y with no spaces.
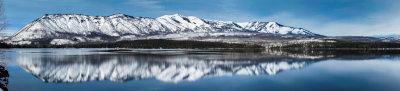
{"x":380,"y":24}
{"x":376,"y":24}
{"x":8,"y":32}
{"x":146,"y":3}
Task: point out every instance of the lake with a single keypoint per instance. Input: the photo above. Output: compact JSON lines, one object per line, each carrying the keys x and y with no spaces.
{"x":198,"y":70}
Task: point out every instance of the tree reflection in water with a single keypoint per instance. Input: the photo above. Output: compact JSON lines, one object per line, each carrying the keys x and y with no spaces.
{"x":3,"y":78}
{"x":3,"y":74}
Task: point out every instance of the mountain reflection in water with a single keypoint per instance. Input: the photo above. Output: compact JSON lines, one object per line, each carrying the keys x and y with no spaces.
{"x":166,"y":67}
{"x":129,"y":67}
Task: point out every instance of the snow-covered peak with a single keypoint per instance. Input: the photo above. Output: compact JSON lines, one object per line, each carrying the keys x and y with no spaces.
{"x":77,"y":28}
{"x":178,"y":22}
{"x":274,"y":28}
{"x":55,"y":16}
{"x":259,"y":25}
{"x":173,"y":16}
{"x":179,"y":18}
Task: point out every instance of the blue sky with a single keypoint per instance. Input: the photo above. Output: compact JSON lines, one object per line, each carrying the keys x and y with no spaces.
{"x":327,"y":17}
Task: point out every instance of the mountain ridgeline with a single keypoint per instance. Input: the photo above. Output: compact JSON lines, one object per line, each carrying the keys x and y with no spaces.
{"x":60,"y":29}
{"x":175,"y":31}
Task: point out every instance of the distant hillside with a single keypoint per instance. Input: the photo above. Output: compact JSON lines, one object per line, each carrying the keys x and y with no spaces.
{"x":155,"y":43}
{"x":340,"y":44}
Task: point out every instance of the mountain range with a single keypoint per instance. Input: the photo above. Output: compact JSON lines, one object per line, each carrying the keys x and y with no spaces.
{"x":58,"y":29}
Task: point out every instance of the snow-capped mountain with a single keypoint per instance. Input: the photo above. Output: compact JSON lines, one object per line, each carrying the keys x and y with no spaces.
{"x":167,"y":69}
{"x":74,"y":28}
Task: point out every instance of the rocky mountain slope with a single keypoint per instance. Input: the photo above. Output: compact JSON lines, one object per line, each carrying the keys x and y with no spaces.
{"x":76,"y":28}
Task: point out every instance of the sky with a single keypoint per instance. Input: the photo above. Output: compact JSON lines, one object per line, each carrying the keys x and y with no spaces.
{"x":326,"y":17}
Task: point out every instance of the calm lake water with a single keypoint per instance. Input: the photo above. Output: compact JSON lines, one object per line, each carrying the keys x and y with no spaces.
{"x":197,"y":70}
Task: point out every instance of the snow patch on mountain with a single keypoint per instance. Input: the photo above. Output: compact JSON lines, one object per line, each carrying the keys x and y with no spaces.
{"x":76,"y":28}
{"x":61,"y":42}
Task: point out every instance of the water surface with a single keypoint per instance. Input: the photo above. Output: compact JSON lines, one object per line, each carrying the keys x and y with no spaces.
{"x":197,"y":70}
